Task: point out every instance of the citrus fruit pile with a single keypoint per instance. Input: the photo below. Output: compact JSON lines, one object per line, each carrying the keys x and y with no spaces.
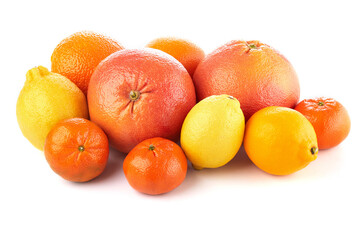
{"x":143,"y":101}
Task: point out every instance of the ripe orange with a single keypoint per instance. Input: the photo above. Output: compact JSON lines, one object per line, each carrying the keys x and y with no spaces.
{"x":77,"y":56}
{"x":155,"y":166}
{"x":139,"y":94}
{"x":253,"y":72}
{"x":186,"y":52}
{"x":77,"y":149}
{"x":330,"y":119}
{"x":280,"y":140}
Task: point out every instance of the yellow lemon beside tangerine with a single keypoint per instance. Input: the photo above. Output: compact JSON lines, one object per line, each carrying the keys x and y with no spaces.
{"x":280,"y":140}
{"x":213,"y":131}
{"x":45,"y":99}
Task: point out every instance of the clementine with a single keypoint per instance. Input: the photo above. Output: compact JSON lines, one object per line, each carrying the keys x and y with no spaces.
{"x":77,"y":149}
{"x":253,"y":72}
{"x":155,"y":166}
{"x":77,"y":56}
{"x":330,"y":119}
{"x":139,"y":94}
{"x":186,"y":52}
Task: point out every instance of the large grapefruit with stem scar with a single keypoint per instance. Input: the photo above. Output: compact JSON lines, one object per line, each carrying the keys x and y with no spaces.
{"x":253,"y":72}
{"x":138,"y":94}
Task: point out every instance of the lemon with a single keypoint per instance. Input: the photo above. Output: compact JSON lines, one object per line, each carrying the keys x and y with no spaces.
{"x":213,"y":131}
{"x":45,"y":99}
{"x":280,"y":140}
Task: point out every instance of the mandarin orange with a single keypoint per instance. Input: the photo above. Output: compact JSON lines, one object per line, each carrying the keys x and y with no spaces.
{"x":329,"y":118}
{"x":155,"y":166}
{"x":77,"y":149}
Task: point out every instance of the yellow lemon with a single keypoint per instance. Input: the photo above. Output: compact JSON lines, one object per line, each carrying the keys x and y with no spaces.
{"x":280,"y":140}
{"x":45,"y":99}
{"x":213,"y":131}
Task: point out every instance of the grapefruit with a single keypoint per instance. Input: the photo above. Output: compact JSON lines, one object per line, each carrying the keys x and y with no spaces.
{"x":138,"y":94}
{"x":253,"y":72}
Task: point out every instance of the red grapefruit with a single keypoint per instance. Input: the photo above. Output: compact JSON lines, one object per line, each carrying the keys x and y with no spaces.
{"x":138,"y":94}
{"x":253,"y":72}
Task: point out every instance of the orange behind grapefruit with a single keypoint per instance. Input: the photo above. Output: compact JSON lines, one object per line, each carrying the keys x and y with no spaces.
{"x":77,"y":56}
{"x":186,"y":52}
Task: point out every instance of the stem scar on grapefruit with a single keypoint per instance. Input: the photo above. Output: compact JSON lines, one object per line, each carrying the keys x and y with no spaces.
{"x":138,"y":94}
{"x":253,"y":72}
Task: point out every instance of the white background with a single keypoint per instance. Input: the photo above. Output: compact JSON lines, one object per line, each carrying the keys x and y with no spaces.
{"x":238,"y":201}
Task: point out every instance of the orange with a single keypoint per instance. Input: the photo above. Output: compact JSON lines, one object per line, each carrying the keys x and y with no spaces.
{"x":77,"y":149}
{"x":139,"y":94}
{"x":77,"y":56}
{"x":330,"y":119}
{"x":280,"y":140}
{"x":155,"y":166}
{"x":186,"y":52}
{"x":253,"y":72}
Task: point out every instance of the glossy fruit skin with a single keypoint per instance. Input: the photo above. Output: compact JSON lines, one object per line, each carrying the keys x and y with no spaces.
{"x":155,"y":166}
{"x":213,"y":131}
{"x":77,"y":56}
{"x":280,"y":140}
{"x":164,"y":90}
{"x":253,"y":72}
{"x":329,"y":118}
{"x":65,"y":156}
{"x":45,"y":99}
{"x":186,"y":52}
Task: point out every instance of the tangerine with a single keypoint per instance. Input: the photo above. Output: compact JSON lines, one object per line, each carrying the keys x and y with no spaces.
{"x":155,"y":166}
{"x":330,"y":119}
{"x":77,"y":149}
